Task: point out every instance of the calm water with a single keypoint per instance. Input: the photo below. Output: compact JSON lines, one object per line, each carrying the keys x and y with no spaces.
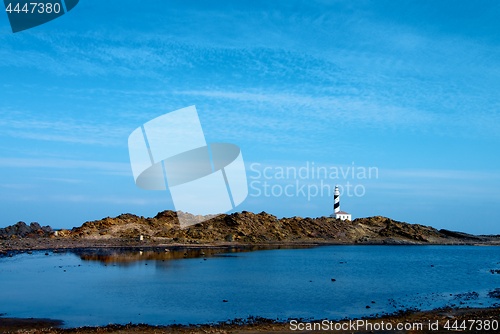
{"x":92,"y":289}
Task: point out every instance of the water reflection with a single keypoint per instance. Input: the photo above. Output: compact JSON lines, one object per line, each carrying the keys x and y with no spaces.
{"x":128,"y":256}
{"x":96,"y":287}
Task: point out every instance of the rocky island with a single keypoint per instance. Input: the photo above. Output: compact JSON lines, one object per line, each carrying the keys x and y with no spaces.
{"x":241,"y":228}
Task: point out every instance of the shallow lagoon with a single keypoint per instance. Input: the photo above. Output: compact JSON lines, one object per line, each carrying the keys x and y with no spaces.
{"x":87,"y":288}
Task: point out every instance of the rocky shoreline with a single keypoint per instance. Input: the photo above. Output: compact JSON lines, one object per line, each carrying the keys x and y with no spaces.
{"x":435,"y":321}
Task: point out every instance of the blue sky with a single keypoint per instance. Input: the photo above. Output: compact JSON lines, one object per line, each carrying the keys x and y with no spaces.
{"x":408,"y":87}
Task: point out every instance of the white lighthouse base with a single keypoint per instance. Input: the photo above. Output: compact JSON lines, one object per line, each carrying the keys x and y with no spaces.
{"x":342,"y":215}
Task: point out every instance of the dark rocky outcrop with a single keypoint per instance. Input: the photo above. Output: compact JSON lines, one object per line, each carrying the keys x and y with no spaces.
{"x":21,"y":230}
{"x":460,"y":235}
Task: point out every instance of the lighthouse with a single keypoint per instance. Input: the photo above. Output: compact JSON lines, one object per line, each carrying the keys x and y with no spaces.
{"x":342,"y":215}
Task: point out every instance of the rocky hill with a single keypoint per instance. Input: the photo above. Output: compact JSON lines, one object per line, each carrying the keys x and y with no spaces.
{"x":242,"y":227}
{"x":247,"y":227}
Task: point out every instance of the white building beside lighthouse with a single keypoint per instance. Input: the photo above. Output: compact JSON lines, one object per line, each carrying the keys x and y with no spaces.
{"x":337,"y":213}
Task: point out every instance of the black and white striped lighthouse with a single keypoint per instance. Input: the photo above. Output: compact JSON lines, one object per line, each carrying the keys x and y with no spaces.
{"x":342,"y":215}
{"x":336,"y":200}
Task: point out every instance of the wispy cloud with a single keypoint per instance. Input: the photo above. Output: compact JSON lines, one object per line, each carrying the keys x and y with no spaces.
{"x":114,"y":200}
{"x":286,"y":80}
{"x":464,"y":175}
{"x":321,"y":108}
{"x":61,"y":180}
{"x":17,"y":186}
{"x":115,"y":167}
{"x":25,"y":125}
{"x":85,"y":199}
{"x":393,"y":75}
{"x":439,"y":183}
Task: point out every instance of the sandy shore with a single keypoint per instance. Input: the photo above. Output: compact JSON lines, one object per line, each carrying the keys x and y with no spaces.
{"x":436,"y":321}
